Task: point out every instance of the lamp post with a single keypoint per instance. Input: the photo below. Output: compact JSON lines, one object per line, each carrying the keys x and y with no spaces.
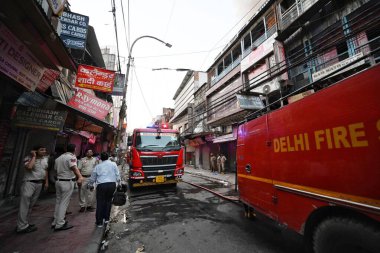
{"x":123,"y":108}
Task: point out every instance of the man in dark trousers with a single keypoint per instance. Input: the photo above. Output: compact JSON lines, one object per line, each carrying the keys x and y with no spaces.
{"x":106,"y":175}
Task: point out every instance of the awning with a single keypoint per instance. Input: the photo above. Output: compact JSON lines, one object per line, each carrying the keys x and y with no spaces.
{"x":87,"y":117}
{"x":28,"y":22}
{"x":225,"y":138}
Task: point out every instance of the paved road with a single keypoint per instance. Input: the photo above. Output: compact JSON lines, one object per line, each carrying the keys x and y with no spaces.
{"x":188,"y":219}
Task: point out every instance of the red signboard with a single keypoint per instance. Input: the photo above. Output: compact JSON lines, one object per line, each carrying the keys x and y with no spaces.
{"x":94,"y":78}
{"x":90,"y":104}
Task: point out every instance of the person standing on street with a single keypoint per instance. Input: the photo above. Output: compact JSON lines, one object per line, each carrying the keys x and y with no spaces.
{"x":66,"y":168}
{"x":106,"y":175}
{"x":213,"y":162}
{"x":86,"y":197}
{"x":219,"y":162}
{"x":223,"y":160}
{"x":36,"y":175}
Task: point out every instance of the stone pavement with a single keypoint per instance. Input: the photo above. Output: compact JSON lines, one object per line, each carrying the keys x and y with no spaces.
{"x":228,"y":177}
{"x":82,"y":238}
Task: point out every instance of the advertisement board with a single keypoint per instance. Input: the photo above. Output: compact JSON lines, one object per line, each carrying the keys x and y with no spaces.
{"x":118,"y":87}
{"x":90,"y":104}
{"x":74,"y":29}
{"x":39,"y":118}
{"x":95,"y":78}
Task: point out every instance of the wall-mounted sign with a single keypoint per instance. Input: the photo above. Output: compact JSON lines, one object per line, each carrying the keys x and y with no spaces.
{"x":118,"y":87}
{"x":340,"y":65}
{"x":90,"y":104}
{"x":74,"y":29}
{"x":17,"y":62}
{"x":94,"y":78}
{"x":33,"y":117}
{"x":249,"y":102}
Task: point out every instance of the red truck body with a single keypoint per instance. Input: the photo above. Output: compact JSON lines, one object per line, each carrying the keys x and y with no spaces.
{"x":315,"y":158}
{"x":155,"y":157}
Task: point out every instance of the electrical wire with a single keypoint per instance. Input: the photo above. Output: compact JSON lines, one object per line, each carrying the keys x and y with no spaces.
{"x":170,"y":18}
{"x":142,"y":93}
{"x":125,"y":29}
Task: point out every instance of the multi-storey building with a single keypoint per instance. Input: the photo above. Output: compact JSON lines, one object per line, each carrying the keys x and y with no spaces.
{"x":183,"y":119}
{"x":288,"y":45}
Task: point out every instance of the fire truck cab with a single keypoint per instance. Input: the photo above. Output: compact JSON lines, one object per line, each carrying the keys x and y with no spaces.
{"x":155,"y":157}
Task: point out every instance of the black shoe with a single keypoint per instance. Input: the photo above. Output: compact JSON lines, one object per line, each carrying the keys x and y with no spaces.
{"x":32,"y":225}
{"x":91,"y":209}
{"x":28,"y":229}
{"x":82,"y":209}
{"x":64,"y":227}
{"x":53,"y":226}
{"x":68,"y":212}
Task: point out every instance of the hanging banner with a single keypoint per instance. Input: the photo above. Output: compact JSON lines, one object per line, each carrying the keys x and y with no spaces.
{"x":33,"y":117}
{"x":74,"y":29}
{"x":90,"y":104}
{"x":118,"y":87}
{"x":57,"y":5}
{"x":94,"y":78}
{"x":17,"y":62}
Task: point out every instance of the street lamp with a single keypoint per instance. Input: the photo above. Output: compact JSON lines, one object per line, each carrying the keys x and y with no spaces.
{"x":178,"y":69}
{"x":123,"y":108}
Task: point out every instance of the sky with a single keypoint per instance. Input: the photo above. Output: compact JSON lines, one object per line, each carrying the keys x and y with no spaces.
{"x":197,"y":29}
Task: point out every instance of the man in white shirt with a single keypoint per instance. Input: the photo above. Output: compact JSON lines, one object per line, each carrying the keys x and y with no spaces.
{"x":105,"y":175}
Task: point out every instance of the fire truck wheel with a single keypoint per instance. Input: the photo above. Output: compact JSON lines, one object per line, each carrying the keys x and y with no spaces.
{"x":336,"y":235}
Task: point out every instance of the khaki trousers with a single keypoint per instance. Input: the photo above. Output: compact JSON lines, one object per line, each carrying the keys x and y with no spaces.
{"x":64,"y":190}
{"x":29,"y":195}
{"x":86,"y":197}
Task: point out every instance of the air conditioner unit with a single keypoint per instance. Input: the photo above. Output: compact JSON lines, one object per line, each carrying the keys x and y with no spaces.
{"x":268,"y":87}
{"x":217,"y":129}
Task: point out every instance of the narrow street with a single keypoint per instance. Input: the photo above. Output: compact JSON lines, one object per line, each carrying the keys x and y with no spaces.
{"x":190,"y":219}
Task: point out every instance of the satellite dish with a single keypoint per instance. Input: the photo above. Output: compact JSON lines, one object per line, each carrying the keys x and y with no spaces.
{"x":266,"y":89}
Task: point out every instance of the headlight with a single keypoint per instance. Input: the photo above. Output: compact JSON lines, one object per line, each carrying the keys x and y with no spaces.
{"x":136,"y":174}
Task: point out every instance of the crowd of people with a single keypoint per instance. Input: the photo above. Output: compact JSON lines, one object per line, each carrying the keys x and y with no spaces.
{"x":218,"y":163}
{"x":96,"y":178}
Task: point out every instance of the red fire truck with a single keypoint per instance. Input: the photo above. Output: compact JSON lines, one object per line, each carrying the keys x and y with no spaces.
{"x":155,"y":157}
{"x":314,"y":165}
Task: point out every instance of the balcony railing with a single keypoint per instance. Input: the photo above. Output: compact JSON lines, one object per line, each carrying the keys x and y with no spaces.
{"x":259,"y":41}
{"x":291,"y":14}
{"x":226,"y":71}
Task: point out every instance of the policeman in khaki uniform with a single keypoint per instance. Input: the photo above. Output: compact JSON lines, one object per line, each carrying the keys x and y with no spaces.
{"x":66,"y":168}
{"x":86,"y":196}
{"x":35,"y":176}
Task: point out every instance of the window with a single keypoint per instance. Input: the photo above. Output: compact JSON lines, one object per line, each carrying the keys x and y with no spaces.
{"x":236,"y":53}
{"x":228,"y":60}
{"x":220,"y":68}
{"x":257,"y":34}
{"x":247,"y":41}
{"x":286,"y":4}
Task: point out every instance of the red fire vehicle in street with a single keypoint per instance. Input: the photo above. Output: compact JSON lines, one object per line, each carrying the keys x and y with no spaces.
{"x":314,"y":165}
{"x":155,"y":157}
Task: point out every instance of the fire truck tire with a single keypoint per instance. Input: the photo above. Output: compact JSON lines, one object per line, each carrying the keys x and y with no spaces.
{"x":336,"y":235}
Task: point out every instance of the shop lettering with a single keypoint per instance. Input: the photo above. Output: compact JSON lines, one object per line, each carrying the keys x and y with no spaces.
{"x":24,"y":62}
{"x":349,"y":136}
{"x":92,"y":101}
{"x":378,"y":126}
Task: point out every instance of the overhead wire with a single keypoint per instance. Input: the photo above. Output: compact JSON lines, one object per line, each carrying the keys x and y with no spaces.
{"x":170,"y":18}
{"x":283,"y":66}
{"x":142,"y":93}
{"x":125,"y":29}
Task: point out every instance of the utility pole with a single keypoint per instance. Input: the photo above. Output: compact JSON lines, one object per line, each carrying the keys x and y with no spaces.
{"x":123,"y":107}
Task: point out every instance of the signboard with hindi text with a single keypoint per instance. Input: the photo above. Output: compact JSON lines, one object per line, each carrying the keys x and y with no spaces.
{"x":90,"y":105}
{"x":95,"y":78}
{"x":39,"y":118}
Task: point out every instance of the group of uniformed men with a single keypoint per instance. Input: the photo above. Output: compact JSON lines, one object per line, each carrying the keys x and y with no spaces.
{"x":68,"y":171}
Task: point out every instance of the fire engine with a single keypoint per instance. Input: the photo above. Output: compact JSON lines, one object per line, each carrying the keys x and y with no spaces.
{"x":155,"y":157}
{"x":314,"y":165}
